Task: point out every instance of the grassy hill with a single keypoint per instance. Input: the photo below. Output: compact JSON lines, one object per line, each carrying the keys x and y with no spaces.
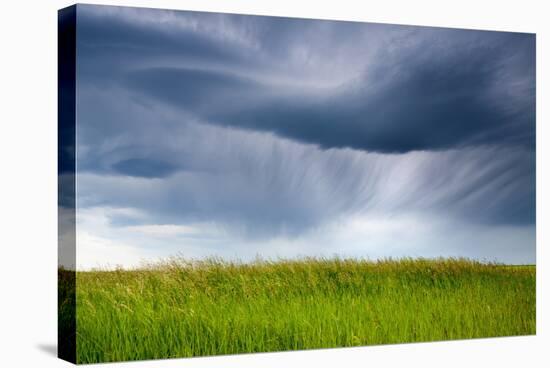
{"x":179,"y":308}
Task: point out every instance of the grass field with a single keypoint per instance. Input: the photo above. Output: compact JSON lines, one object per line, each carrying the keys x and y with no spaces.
{"x":183,"y":309}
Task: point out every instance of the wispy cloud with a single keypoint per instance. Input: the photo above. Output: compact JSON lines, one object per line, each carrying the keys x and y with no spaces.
{"x":226,"y":134}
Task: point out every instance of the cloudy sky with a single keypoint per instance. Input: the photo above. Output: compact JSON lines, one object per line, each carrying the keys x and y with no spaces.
{"x":204,"y":134}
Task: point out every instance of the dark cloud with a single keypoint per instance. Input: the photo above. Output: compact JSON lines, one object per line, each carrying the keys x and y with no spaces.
{"x":145,"y":168}
{"x":416,"y":88}
{"x":263,"y":187}
{"x":431,"y":99}
{"x":109,"y":44}
{"x":274,"y":127}
{"x":194,"y":89}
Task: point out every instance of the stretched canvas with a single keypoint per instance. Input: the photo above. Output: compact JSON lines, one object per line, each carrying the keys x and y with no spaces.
{"x":238,"y":184}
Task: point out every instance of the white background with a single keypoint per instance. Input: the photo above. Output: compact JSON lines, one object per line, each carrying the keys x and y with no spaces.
{"x":28,"y":185}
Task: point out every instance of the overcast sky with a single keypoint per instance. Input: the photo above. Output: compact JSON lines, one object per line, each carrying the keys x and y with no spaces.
{"x":206,"y":134}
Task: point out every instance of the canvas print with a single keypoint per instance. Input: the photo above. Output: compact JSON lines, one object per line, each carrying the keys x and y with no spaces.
{"x":239,"y":184}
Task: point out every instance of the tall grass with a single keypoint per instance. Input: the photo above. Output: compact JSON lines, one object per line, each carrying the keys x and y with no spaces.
{"x":179,"y":308}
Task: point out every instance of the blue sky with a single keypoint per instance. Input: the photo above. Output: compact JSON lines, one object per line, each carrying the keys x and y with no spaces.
{"x":204,"y":134}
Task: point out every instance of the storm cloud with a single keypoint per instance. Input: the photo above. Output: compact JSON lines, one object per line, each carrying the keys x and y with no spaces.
{"x":420,"y":101}
{"x":244,"y":135}
{"x":423,"y":89}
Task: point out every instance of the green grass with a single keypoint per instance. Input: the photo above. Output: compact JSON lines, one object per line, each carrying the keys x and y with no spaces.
{"x":183,"y":309}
